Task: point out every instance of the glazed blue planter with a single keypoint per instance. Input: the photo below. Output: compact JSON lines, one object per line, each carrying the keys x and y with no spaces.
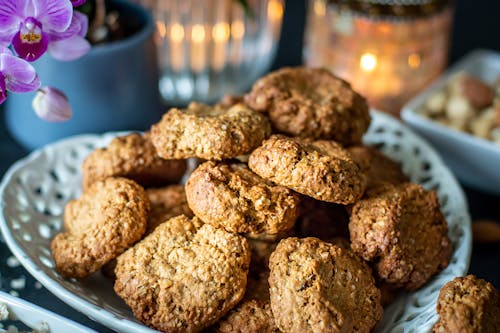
{"x":113,"y":87}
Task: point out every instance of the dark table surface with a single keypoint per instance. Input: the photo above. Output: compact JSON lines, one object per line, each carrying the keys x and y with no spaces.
{"x":475,"y":26}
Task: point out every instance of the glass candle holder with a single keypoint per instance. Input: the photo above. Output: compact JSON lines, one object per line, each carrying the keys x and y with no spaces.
{"x":387,"y":50}
{"x":210,"y":48}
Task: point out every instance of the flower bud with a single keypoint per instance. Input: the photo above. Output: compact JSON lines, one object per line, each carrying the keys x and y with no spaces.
{"x":51,"y":104}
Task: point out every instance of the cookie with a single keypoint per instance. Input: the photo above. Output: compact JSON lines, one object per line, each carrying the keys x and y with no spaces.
{"x":376,"y":166}
{"x":248,"y":317}
{"x":166,"y":202}
{"x":320,"y":169}
{"x":323,"y":220}
{"x":211,"y":133}
{"x":319,"y":287}
{"x":311,"y":102}
{"x":468,"y":304}
{"x":108,"y":218}
{"x":184,"y":276}
{"x":131,"y":156}
{"x":232,"y":197}
{"x":400,"y":229}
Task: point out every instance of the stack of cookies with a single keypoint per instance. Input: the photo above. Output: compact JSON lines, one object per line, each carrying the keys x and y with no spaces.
{"x":286,"y":224}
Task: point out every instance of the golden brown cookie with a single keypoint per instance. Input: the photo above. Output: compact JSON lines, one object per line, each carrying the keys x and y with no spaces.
{"x":184,"y":276}
{"x":131,"y":156}
{"x":376,"y":166}
{"x":311,"y":102}
{"x":232,"y":197}
{"x":468,"y":305}
{"x":108,"y":218}
{"x":166,"y":202}
{"x":248,"y":317}
{"x":320,"y":169}
{"x":400,"y":229}
{"x":323,"y":220}
{"x":319,"y":287}
{"x":212,"y":133}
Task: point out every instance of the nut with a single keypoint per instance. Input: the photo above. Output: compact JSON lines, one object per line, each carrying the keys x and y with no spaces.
{"x":482,"y":124}
{"x":458,"y":108}
{"x":436,"y":103}
{"x":478,"y":93}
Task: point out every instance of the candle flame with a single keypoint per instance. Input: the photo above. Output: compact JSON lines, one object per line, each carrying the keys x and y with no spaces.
{"x":275,"y":10}
{"x":161,"y":28}
{"x":368,"y":61}
{"x":237,"y":29}
{"x":414,"y":60}
{"x":198,"y":33}
{"x":220,"y":32}
{"x":176,"y":32}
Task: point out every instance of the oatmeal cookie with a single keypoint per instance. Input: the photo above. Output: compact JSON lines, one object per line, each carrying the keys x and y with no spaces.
{"x":131,"y":156}
{"x":320,"y":169}
{"x":248,"y":317}
{"x":166,"y":202}
{"x":323,"y":220}
{"x":233,"y":197}
{"x":109,"y":217}
{"x":212,"y":133}
{"x":376,"y":166}
{"x":184,"y":276}
{"x":319,"y":287}
{"x":468,"y":304}
{"x":309,"y":102}
{"x":400,"y":229}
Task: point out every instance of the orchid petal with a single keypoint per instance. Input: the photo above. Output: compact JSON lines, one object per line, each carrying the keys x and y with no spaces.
{"x":79,"y":26}
{"x":69,"y":49}
{"x":5,"y":49}
{"x":19,"y":75}
{"x":77,"y":3}
{"x":51,"y":104}
{"x":30,"y":51}
{"x":23,"y":87}
{"x":54,"y":15}
{"x":3,"y":91}
{"x":11,"y":13}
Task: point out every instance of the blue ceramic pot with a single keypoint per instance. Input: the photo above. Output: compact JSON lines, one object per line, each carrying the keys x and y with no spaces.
{"x":113,"y":87}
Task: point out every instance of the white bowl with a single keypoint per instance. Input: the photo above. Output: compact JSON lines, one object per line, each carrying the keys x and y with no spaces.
{"x":475,"y":161}
{"x":38,"y":318}
{"x":35,"y":190}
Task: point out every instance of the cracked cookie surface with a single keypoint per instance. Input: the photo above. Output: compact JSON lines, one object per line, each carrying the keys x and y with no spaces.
{"x":166,"y":202}
{"x":248,"y":317}
{"x":184,"y":276}
{"x":233,"y":197}
{"x":400,"y":229}
{"x":108,"y":218}
{"x":311,"y":102}
{"x":319,"y":287}
{"x":320,"y":169}
{"x":131,"y":156}
{"x":468,"y":304}
{"x":209,"y":132}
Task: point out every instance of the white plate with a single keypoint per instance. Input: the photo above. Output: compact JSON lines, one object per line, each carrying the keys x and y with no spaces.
{"x":35,"y":190}
{"x":475,"y":161}
{"x":36,"y":317}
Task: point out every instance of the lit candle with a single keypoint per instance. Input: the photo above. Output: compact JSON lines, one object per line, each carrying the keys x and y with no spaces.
{"x":386,"y":58}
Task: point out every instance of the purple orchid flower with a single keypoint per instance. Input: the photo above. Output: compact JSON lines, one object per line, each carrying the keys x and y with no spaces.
{"x":16,"y":75}
{"x":52,"y":105}
{"x":33,"y":25}
{"x":77,"y":3}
